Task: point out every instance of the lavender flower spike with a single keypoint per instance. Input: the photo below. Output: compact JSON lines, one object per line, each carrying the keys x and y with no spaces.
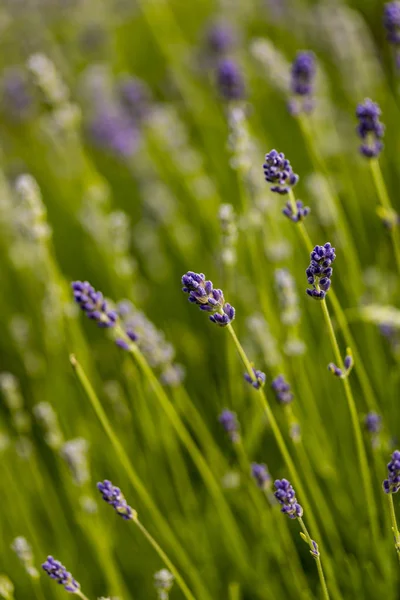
{"x":302,"y":82}
{"x":230,"y":80}
{"x":229,"y":422}
{"x":113,"y":496}
{"x":369,"y":128}
{"x":286,"y":497}
{"x":259,"y":380}
{"x":278,"y":170}
{"x":391,"y":22}
{"x":319,"y":271}
{"x":282,"y":390}
{"x":59,"y":573}
{"x":391,"y":485}
{"x":373,"y":422}
{"x":202,"y":293}
{"x":93,"y":304}
{"x":261,"y":475}
{"x":297,"y":215}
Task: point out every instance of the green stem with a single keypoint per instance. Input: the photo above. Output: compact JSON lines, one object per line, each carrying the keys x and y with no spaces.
{"x":81,"y":595}
{"x":279,"y":438}
{"x":178,"y":578}
{"x":362,"y":457}
{"x":136,"y":481}
{"x":394,"y":525}
{"x":317,"y":559}
{"x":386,"y":204}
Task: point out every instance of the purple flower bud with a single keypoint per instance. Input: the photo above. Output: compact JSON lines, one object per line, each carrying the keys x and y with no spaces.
{"x":373,"y":422}
{"x":302,"y":83}
{"x":261,"y":475}
{"x":93,"y":304}
{"x":135,"y":97}
{"x":59,"y":573}
{"x":391,"y":22}
{"x":335,"y":370}
{"x":220,"y":38}
{"x":282,"y":390}
{"x":299,"y":214}
{"x":369,"y":128}
{"x":259,"y":380}
{"x":278,"y":170}
{"x":230,"y":80}
{"x":113,"y":496}
{"x":229,"y":422}
{"x":208,"y":299}
{"x":319,"y":270}
{"x":391,"y":485}
{"x":113,"y":131}
{"x":286,"y":496}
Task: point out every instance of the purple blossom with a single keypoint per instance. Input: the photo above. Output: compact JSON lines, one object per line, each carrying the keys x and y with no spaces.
{"x":59,"y":573}
{"x":135,"y":97}
{"x":93,"y":304}
{"x":302,"y":82}
{"x":220,"y":38}
{"x":286,"y":497}
{"x":261,"y":475}
{"x":202,"y":293}
{"x":278,"y":170}
{"x":230,"y":80}
{"x":319,"y":272}
{"x":229,"y":422}
{"x":113,"y":496}
{"x":112,"y":131}
{"x":369,"y":128}
{"x":16,"y":98}
{"x":259,"y":380}
{"x":373,"y":422}
{"x":282,"y":390}
{"x":391,"y":485}
{"x":297,"y":215}
{"x":391,"y":22}
{"x":335,"y":370}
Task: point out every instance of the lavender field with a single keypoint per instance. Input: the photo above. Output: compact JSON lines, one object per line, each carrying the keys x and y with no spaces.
{"x":200,"y":299}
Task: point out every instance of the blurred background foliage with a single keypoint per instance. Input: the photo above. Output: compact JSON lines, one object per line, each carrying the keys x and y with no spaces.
{"x":117,"y":153}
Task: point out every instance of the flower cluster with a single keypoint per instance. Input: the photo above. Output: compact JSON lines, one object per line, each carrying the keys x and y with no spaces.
{"x":59,"y":573}
{"x":319,"y":272}
{"x":230,"y":80}
{"x":202,"y":293}
{"x":391,"y":485}
{"x":391,"y":22}
{"x":113,"y":496}
{"x":258,"y":381}
{"x":298,"y":214}
{"x":260,"y":473}
{"x":163,"y":582}
{"x":282,"y":390}
{"x":278,"y":170}
{"x":302,"y":82}
{"x":229,"y":422}
{"x":93,"y":304}
{"x":348,"y":364}
{"x":373,"y":422}
{"x":219,"y":38}
{"x":369,"y":128}
{"x":286,"y":496}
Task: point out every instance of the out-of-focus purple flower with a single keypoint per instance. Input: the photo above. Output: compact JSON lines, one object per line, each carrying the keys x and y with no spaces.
{"x":59,"y":573}
{"x":93,"y":304}
{"x":16,"y":97}
{"x":113,"y":496}
{"x":391,"y":485}
{"x":373,"y":422}
{"x":278,"y":170}
{"x":369,"y":128}
{"x":229,"y":422}
{"x":297,"y":215}
{"x":220,"y":38}
{"x":113,"y":131}
{"x":302,"y":82}
{"x":260,"y":473}
{"x":135,"y":97}
{"x":282,"y":390}
{"x":286,"y":497}
{"x":319,"y":272}
{"x":259,"y":380}
{"x":230,"y":80}
{"x":335,"y":370}
{"x":391,"y":22}
{"x":202,"y":293}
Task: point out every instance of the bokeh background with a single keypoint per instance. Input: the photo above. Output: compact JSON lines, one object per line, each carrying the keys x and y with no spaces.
{"x":118,"y":158}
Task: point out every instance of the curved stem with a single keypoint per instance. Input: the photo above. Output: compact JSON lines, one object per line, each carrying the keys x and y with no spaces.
{"x":179,"y":580}
{"x":386,"y":204}
{"x":81,"y":595}
{"x":394,"y":525}
{"x":317,"y":559}
{"x":136,"y":481}
{"x":362,"y":456}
